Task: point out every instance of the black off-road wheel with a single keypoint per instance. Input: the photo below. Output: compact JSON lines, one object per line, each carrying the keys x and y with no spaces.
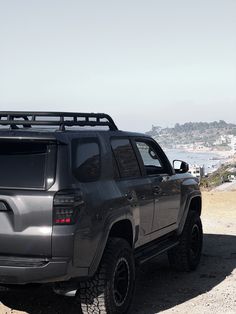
{"x":186,"y":256}
{"x":111,"y":290}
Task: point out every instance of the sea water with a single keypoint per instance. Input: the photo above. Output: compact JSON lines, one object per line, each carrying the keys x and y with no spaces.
{"x":209,"y":160}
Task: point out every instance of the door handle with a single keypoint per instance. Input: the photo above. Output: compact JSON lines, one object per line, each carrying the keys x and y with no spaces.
{"x":129,"y":197}
{"x":156,"y":190}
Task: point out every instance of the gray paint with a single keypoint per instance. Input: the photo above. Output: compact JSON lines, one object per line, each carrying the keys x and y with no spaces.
{"x":158,"y":206}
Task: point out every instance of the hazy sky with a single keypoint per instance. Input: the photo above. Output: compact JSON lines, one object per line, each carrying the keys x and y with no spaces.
{"x":143,"y":61}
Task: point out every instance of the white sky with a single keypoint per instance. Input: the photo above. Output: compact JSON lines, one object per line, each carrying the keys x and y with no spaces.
{"x":143,"y":61}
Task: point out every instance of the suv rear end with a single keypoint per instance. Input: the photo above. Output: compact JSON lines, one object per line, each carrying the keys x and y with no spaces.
{"x":39,"y":197}
{"x":27,"y":191}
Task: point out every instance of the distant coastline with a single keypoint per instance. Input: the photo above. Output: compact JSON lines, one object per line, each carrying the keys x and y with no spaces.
{"x":198,"y":137}
{"x":210,"y":159}
{"x":224,"y":154}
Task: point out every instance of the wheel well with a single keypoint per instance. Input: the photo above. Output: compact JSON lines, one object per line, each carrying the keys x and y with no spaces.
{"x":196,"y":204}
{"x":122,"y":229}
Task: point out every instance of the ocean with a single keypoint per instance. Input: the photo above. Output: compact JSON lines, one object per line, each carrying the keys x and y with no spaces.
{"x":211,"y":161}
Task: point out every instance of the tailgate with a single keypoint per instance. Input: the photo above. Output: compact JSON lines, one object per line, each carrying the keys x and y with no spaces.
{"x":25,"y":223}
{"x":27,"y":172}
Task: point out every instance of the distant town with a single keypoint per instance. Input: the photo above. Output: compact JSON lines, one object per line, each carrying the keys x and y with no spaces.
{"x":197,"y":136}
{"x":218,"y":137}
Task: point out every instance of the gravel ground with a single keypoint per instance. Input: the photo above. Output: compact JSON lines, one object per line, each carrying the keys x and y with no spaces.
{"x":227,"y":186}
{"x":210,"y":289}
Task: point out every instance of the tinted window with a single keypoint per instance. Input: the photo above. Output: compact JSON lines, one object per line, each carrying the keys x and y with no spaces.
{"x":86,"y":160}
{"x":151,"y":160}
{"x":115,"y":168}
{"x":125,"y":158}
{"x":22,"y":165}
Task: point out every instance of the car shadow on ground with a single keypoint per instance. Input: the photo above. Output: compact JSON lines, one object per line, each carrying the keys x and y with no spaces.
{"x":158,"y":287}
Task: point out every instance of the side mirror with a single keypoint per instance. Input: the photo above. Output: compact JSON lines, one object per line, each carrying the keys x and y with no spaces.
{"x":180,"y":166}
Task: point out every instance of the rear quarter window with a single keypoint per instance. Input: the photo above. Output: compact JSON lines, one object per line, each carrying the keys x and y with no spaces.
{"x":86,"y":161}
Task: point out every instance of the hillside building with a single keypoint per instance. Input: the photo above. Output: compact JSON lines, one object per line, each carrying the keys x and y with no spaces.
{"x":197,"y":171}
{"x":233,"y":144}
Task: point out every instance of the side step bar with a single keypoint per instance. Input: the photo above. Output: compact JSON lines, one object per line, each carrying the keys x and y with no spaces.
{"x":146,"y":253}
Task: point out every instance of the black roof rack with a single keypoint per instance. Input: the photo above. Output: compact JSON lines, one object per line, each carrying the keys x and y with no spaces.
{"x":61,"y":119}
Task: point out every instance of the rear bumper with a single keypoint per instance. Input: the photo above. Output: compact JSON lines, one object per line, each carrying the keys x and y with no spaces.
{"x":30,"y":270}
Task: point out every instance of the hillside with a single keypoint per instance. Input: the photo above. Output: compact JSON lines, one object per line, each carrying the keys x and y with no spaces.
{"x":223,"y":174}
{"x":215,"y":134}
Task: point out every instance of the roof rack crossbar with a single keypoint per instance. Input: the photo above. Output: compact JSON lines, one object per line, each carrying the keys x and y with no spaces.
{"x":61,"y":119}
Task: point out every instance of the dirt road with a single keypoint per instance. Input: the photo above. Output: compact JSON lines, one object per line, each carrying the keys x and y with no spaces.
{"x":227,"y":186}
{"x":210,"y":289}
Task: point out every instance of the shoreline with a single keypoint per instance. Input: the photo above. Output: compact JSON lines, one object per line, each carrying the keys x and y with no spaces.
{"x":227,"y":156}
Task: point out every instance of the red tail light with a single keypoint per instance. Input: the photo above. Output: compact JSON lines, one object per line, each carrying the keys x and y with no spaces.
{"x":66,"y":207}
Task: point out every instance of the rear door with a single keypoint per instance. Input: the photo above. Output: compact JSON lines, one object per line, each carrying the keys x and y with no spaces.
{"x":27,"y":171}
{"x":134,"y":187}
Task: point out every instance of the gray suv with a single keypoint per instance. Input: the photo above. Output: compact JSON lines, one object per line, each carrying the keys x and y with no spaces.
{"x":82,"y":204}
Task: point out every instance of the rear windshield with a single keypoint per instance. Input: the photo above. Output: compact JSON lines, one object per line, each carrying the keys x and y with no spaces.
{"x":23,"y":165}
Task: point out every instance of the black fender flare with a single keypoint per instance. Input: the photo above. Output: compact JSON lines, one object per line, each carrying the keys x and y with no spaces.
{"x":103,"y":241}
{"x":191,"y":196}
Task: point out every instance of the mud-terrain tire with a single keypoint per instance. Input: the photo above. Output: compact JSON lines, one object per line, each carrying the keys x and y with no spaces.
{"x":186,"y":256}
{"x":111,"y":290}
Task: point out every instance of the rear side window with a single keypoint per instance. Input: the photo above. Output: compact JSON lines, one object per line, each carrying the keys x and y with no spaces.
{"x":125,"y":158}
{"x":23,"y":164}
{"x":86,"y":160}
